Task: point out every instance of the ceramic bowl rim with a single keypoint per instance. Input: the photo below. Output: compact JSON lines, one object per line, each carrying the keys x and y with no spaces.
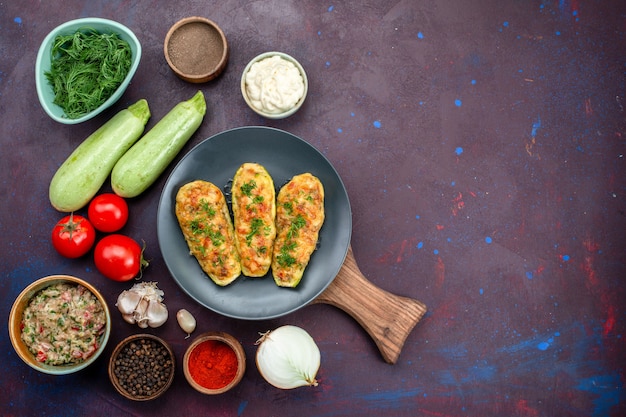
{"x":42,"y":63}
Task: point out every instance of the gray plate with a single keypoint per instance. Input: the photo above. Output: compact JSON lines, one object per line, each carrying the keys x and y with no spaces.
{"x":284,"y":155}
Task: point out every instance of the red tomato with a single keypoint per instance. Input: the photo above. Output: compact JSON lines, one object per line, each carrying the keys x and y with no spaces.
{"x":119,"y":257}
{"x":73,"y":236}
{"x":108,"y":212}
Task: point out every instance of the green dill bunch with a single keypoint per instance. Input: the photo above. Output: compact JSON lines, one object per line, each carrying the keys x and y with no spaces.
{"x":86,"y":69}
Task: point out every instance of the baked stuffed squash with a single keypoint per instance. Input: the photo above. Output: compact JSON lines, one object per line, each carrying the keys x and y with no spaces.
{"x":299,"y":218}
{"x":204,"y":219}
{"x":254,"y":211}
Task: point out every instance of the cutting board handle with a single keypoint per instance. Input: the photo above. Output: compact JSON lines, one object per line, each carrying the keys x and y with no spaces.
{"x":387,"y":318}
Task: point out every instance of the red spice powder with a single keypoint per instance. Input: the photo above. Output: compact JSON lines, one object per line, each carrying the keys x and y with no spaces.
{"x":213,"y":364}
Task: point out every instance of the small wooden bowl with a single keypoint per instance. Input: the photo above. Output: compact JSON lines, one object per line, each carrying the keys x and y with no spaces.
{"x":113,"y":365}
{"x":220,"y":339}
{"x":196,"y":49}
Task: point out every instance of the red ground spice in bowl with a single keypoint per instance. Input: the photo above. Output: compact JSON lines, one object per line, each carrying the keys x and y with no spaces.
{"x":214,"y":363}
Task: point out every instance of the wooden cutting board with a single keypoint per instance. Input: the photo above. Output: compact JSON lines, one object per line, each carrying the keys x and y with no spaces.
{"x":387,"y":318}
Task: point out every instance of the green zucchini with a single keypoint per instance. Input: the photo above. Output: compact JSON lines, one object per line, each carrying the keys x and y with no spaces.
{"x":82,"y":174}
{"x":146,"y":160}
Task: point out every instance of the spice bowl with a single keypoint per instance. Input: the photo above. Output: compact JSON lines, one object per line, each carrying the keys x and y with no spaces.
{"x":141,"y":367}
{"x":43,"y":63}
{"x":50,"y":357}
{"x":196,"y":49}
{"x":214,"y":363}
{"x":274,"y":85}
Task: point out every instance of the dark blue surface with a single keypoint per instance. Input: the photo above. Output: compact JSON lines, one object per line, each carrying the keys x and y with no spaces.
{"x":482,"y":147}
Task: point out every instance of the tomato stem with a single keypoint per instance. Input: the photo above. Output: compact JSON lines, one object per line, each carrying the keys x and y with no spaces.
{"x":144,"y":262}
{"x":70,"y":226}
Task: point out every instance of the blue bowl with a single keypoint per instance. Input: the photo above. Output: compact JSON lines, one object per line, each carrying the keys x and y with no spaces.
{"x":43,"y":63}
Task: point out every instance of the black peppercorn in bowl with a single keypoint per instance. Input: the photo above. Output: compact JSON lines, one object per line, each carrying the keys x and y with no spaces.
{"x":142,"y":367}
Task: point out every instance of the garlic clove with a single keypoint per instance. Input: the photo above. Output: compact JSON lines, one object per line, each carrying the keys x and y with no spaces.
{"x":127,"y":301}
{"x":129,"y":318}
{"x":186,"y":321}
{"x":140,"y":310}
{"x":156,"y":313}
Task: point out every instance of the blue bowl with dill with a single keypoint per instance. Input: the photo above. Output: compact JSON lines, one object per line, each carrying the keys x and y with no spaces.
{"x":84,"y":66}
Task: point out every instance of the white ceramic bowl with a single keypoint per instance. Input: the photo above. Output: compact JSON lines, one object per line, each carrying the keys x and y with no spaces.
{"x":43,"y":64}
{"x":15,"y":322}
{"x":260,"y":111}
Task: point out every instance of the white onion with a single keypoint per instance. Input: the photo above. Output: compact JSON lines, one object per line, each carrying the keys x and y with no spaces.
{"x":288,"y":357}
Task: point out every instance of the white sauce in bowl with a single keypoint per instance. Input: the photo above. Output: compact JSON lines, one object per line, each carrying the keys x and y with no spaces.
{"x":274,"y":85}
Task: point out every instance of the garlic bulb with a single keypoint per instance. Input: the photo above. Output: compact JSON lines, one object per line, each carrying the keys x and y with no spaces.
{"x":142,"y":305}
{"x":288,"y":357}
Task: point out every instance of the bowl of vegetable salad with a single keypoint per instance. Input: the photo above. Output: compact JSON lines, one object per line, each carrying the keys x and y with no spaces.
{"x":84,"y":66}
{"x":59,"y":324}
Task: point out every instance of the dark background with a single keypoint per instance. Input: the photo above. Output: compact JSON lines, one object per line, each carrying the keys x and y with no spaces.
{"x":482,"y":147}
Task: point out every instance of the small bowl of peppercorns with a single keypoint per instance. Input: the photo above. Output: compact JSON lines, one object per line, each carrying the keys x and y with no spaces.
{"x":214,"y":363}
{"x":142,"y":367}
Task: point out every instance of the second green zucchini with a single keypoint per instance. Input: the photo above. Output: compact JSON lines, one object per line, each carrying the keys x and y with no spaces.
{"x":146,"y":160}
